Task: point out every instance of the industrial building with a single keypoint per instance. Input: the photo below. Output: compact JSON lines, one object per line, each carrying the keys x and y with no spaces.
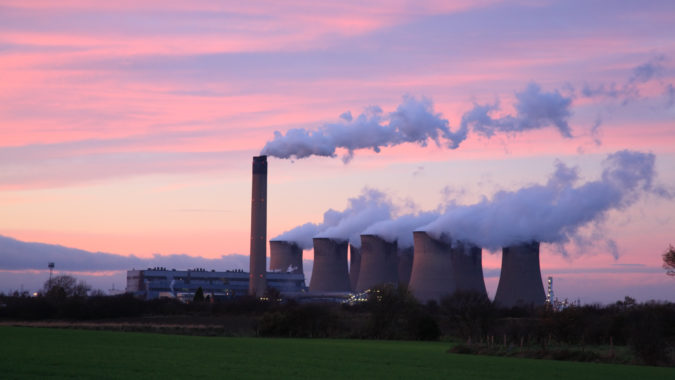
{"x":432,"y":269}
{"x":257,"y":282}
{"x":405,"y":264}
{"x":354,"y":265}
{"x":520,"y":279}
{"x":330,"y":272}
{"x":379,"y":263}
{"x":433,"y":275}
{"x":154,"y":283}
{"x":441,"y":268}
{"x":467,"y":263}
{"x":285,"y":256}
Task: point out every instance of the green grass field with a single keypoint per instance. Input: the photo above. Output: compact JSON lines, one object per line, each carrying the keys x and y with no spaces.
{"x":60,"y":353}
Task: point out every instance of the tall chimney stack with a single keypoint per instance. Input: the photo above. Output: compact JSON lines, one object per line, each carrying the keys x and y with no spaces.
{"x":257,"y":284}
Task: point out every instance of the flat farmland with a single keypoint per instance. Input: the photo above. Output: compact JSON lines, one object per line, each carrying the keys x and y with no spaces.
{"x":68,"y":353}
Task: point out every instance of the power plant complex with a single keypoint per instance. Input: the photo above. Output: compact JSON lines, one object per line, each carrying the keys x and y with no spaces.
{"x":432,"y":269}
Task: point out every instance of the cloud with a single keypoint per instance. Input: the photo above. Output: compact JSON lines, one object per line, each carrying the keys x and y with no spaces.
{"x":399,"y":230}
{"x":652,"y":70}
{"x":415,"y":121}
{"x":553,"y":212}
{"x":362,"y":211}
{"x":534,"y":110}
{"x":18,"y":255}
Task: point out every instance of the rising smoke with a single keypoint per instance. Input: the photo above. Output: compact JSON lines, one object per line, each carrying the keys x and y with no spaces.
{"x":554,"y":212}
{"x":362,"y":211}
{"x":415,"y":121}
{"x":399,"y":230}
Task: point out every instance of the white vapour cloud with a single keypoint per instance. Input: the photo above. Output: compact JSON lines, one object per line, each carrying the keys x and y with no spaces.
{"x":415,"y":121}
{"x":534,"y":110}
{"x":650,"y":71}
{"x":553,"y":212}
{"x":362,"y":211}
{"x":400,"y":230}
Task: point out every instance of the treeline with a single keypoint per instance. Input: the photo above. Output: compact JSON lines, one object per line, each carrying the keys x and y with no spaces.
{"x":648,"y":329}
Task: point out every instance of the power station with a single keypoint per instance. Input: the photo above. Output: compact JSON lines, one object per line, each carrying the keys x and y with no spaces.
{"x":520,"y":279}
{"x":285,"y":257}
{"x":257,"y":284}
{"x":433,"y":275}
{"x":379,"y":263}
{"x":354,"y":265}
{"x":330,"y":272}
{"x":433,"y":268}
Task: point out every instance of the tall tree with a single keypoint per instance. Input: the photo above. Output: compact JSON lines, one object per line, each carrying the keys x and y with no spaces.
{"x":669,"y":261}
{"x":65,"y":286}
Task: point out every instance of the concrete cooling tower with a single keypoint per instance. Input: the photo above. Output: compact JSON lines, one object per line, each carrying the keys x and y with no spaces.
{"x":468,"y":268}
{"x":432,"y":274}
{"x":354,"y":265}
{"x":379,"y":263}
{"x":258,"y":264}
{"x":329,"y":273}
{"x":285,"y":256}
{"x":520,"y":279}
{"x":405,"y":263}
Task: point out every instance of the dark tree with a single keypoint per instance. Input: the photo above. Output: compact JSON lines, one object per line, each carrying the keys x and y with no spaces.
{"x":669,"y":261}
{"x":199,"y":295}
{"x":64,"y":286}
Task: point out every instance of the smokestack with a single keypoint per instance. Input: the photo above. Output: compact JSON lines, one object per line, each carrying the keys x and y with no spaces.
{"x":257,"y":278}
{"x":405,"y":264}
{"x":468,"y":266}
{"x":354,"y":265}
{"x":433,"y":275}
{"x":520,"y":279}
{"x":285,"y":255}
{"x":330,"y":266}
{"x":379,"y":263}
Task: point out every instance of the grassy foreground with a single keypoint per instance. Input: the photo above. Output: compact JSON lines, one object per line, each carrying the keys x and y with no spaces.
{"x":40,"y":352}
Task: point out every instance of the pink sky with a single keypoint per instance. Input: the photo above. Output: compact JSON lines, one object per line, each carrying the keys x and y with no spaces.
{"x":129,"y":127}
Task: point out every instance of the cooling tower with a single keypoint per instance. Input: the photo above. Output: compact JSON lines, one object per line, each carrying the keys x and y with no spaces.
{"x":520,"y":279}
{"x":405,"y":263}
{"x":354,"y":265}
{"x":379,"y":263}
{"x":257,"y":281}
{"x":329,"y":273}
{"x":432,"y":274}
{"x":285,"y":256}
{"x":468,"y":268}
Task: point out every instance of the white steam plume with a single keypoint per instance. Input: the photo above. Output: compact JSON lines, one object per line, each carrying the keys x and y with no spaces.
{"x":415,"y":121}
{"x":400,"y":230}
{"x":362,"y":211}
{"x":554,"y":212}
{"x":534,"y":110}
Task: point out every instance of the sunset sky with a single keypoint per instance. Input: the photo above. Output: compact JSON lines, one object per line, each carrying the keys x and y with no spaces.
{"x":128,"y":127}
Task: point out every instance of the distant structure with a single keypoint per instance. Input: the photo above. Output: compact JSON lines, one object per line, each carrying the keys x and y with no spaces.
{"x":51,"y":269}
{"x":160,"y":282}
{"x":257,"y":282}
{"x":467,"y":265}
{"x":520,"y":278}
{"x":285,"y":256}
{"x":550,"y":296}
{"x":379,"y":263}
{"x":405,"y":264}
{"x":330,"y":272}
{"x":354,"y":265}
{"x":432,"y":274}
